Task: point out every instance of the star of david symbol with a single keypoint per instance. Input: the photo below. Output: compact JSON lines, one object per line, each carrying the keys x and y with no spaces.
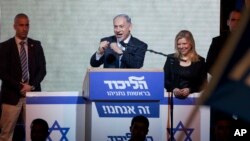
{"x":180,"y":127}
{"x":62,"y":130}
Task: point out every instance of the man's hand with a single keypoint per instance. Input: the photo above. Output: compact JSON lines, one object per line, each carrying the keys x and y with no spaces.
{"x":103,"y":45}
{"x":115,"y":47}
{"x":26,"y":88}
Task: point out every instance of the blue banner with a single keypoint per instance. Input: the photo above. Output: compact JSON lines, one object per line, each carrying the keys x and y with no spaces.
{"x":126,"y":85}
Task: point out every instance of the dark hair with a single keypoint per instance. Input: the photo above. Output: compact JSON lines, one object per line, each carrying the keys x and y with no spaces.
{"x":40,"y":122}
{"x":234,"y":10}
{"x":20,"y":15}
{"x":140,"y":118}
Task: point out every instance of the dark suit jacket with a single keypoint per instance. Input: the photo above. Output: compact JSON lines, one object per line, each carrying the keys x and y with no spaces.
{"x":133,"y":56}
{"x":214,"y":50}
{"x":11,"y":71}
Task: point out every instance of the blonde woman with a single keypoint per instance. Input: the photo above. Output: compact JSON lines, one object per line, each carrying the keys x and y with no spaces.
{"x":185,"y":70}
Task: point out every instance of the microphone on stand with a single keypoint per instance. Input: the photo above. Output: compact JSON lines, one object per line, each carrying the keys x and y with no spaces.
{"x":172,"y":62}
{"x":171,"y":98}
{"x":156,"y":52}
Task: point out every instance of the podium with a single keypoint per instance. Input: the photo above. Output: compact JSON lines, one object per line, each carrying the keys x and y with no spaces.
{"x":115,"y":96}
{"x":63,"y":111}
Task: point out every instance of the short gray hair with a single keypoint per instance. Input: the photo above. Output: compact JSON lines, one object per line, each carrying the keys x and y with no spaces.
{"x":128,"y":19}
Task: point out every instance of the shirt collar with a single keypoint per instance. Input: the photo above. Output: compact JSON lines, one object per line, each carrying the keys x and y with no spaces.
{"x":19,"y":40}
{"x":125,"y":41}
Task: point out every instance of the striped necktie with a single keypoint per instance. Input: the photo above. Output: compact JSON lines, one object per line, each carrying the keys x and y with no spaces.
{"x":24,"y":62}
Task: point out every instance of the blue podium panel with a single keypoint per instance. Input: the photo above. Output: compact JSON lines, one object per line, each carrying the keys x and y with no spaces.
{"x":115,"y":96}
{"x":132,"y":85}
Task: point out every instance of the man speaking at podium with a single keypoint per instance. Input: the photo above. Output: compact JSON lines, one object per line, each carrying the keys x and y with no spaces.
{"x":121,"y":50}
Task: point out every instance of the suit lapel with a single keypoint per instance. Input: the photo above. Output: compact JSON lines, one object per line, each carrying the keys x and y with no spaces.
{"x":30,"y":49}
{"x":15,"y":51}
{"x":31,"y":54}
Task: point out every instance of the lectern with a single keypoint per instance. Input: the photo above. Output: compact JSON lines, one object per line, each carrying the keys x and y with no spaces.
{"x":114,"y":96}
{"x":63,"y":111}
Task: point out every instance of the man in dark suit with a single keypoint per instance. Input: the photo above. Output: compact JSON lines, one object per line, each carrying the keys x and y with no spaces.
{"x":121,"y":50}
{"x":219,"y":41}
{"x":217,"y":45}
{"x":22,"y":68}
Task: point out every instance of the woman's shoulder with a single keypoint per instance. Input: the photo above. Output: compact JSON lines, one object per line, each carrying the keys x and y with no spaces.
{"x":171,"y":55}
{"x":202,"y":59}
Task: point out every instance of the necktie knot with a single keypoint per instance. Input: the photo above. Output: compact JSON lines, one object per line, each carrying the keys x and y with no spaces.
{"x":22,"y":43}
{"x":123,"y":44}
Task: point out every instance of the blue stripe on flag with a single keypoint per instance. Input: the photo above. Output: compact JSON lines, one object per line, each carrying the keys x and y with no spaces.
{"x":55,"y":100}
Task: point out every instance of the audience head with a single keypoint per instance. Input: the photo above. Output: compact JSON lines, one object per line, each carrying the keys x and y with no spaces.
{"x":21,"y":26}
{"x":39,"y":130}
{"x":222,"y":129}
{"x":185,"y":45}
{"x":122,"y":26}
{"x":233,"y":20}
{"x":139,"y":128}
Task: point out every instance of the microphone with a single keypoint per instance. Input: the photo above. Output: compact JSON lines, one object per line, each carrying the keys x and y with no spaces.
{"x":128,"y":47}
{"x":156,"y":52}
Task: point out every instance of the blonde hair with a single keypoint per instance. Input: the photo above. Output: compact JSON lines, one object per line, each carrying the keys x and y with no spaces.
{"x":194,"y":57}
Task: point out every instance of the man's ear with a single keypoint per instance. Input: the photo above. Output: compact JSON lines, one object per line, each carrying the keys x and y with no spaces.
{"x":130,"y":27}
{"x":228,"y":22}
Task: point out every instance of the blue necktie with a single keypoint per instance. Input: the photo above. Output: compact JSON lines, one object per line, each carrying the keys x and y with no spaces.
{"x":24,"y":63}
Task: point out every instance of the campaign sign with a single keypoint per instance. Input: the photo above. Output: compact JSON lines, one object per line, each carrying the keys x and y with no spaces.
{"x":126,"y":85}
{"x":127,"y":109}
{"x":105,"y":123}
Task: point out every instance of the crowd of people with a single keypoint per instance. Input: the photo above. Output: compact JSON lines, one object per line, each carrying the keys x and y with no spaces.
{"x":23,"y":67}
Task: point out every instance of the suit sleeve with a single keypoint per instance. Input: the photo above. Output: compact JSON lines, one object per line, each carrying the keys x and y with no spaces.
{"x":134,"y":56}
{"x":40,"y":66}
{"x":98,"y":63}
{"x":5,"y":68}
{"x":211,"y":55}
{"x":94,"y":62}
